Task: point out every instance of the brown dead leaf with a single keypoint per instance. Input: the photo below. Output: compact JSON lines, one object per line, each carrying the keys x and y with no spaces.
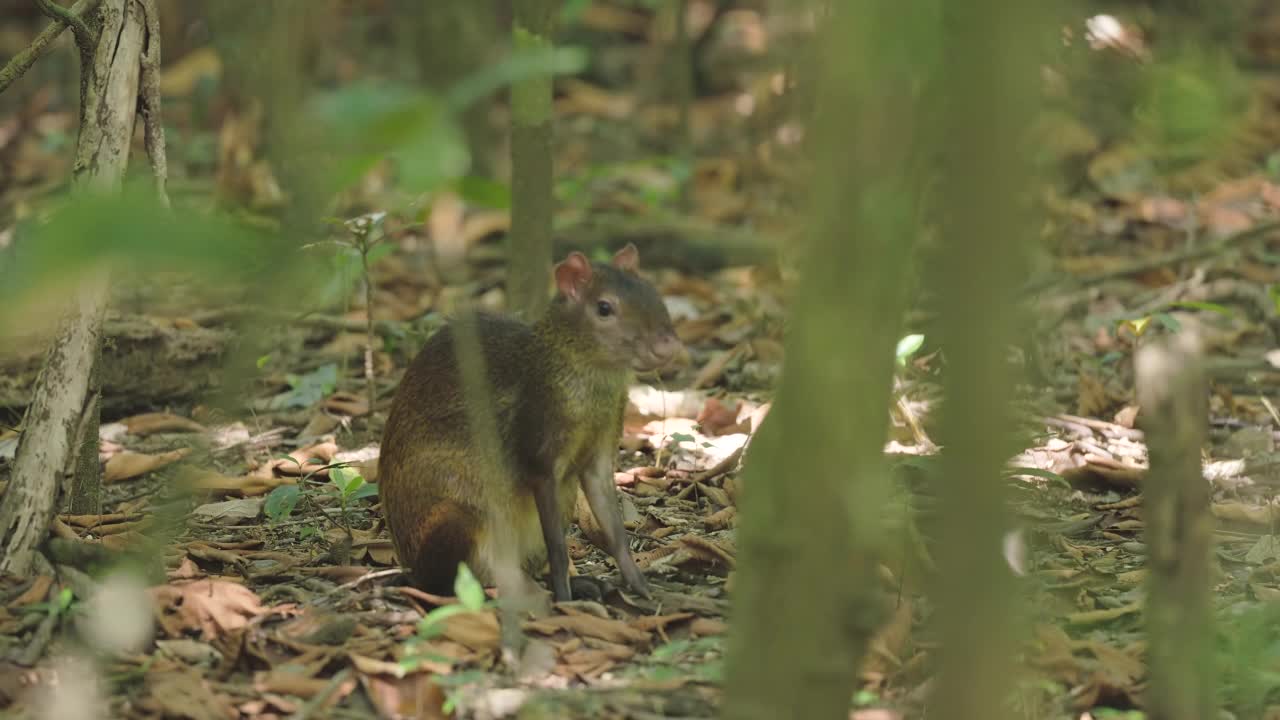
{"x":185,"y":694}
{"x":716,"y":417}
{"x":590,"y":626}
{"x":582,"y":98}
{"x":211,"y":606}
{"x":650,"y":623}
{"x":409,"y":696}
{"x":708,"y":550}
{"x":38,"y":591}
{"x":347,"y":403}
{"x":722,"y":519}
{"x":1263,"y":515}
{"x":303,"y":461}
{"x":181,"y":78}
{"x":151,"y":423}
{"x":476,"y":630}
{"x":127,"y":465}
{"x":1222,"y":221}
{"x":708,"y":626}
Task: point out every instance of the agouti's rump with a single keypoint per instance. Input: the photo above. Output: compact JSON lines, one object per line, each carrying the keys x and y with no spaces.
{"x":555,"y":393}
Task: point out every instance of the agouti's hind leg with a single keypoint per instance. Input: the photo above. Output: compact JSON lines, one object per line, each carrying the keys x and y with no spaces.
{"x":437,"y":543}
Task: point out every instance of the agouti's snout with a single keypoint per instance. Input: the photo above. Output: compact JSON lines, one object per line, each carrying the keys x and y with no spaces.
{"x":664,"y":348}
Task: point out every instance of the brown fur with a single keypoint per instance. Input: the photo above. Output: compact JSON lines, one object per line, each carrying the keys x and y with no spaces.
{"x":556,"y":391}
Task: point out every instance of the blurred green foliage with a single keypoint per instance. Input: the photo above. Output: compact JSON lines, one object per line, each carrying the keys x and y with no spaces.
{"x":1189,"y":106}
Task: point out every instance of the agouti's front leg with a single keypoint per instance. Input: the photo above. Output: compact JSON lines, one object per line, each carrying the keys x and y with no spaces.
{"x":598,"y":486}
{"x":545,"y":497}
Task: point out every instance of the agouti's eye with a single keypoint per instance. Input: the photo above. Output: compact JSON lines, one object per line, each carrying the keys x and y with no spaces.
{"x":604,"y":308}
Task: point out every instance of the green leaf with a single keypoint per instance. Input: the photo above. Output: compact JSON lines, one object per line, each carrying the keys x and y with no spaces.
{"x":522,"y":64}
{"x":366,"y":490}
{"x":365,"y":123}
{"x":432,"y":623}
{"x":682,"y":437}
{"x":1198,"y":305}
{"x":484,"y":192}
{"x":468,"y":589}
{"x":307,"y":389}
{"x":281,"y":502}
{"x":345,"y":479}
{"x":1273,"y":291}
{"x":1169,"y":322}
{"x":907,"y":347}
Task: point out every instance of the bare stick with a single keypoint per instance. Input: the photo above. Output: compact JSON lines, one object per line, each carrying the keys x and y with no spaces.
{"x":84,"y":36}
{"x":20,"y":63}
{"x":1173,"y":394}
{"x":149,"y":102}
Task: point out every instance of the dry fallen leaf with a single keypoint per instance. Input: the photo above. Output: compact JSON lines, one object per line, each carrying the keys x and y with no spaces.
{"x":211,"y":606}
{"x":151,"y":423}
{"x":127,"y":465}
{"x":590,"y":626}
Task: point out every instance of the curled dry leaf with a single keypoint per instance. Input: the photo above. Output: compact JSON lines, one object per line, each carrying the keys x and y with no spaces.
{"x":346,"y":403}
{"x":590,"y":626}
{"x":128,"y":465}
{"x":185,"y":694}
{"x":403,"y":696}
{"x":211,"y":606}
{"x":151,"y":423}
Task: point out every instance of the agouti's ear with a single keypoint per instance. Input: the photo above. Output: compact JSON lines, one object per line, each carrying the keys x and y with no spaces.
{"x":573,"y":274}
{"x":628,"y":258}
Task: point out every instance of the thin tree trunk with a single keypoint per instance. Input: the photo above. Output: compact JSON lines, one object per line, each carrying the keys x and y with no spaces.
{"x":988,"y":80}
{"x":451,"y":39}
{"x":529,"y":247}
{"x":807,"y":600}
{"x":1173,"y":394}
{"x":61,"y":418}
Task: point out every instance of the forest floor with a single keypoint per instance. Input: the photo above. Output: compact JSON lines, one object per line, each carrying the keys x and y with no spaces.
{"x":279,"y":595}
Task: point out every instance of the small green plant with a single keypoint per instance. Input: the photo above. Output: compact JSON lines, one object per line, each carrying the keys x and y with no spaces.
{"x":60,"y":606}
{"x":471,"y":599}
{"x":344,"y":483}
{"x":908,"y":346}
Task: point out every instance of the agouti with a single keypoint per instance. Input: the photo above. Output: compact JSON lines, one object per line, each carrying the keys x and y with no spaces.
{"x":556,"y":391}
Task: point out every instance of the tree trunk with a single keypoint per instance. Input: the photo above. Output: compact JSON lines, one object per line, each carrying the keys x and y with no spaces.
{"x":1174,"y":396}
{"x":60,"y":418}
{"x":529,"y":247}
{"x":989,"y":84}
{"x":452,"y":39}
{"x":807,"y":600}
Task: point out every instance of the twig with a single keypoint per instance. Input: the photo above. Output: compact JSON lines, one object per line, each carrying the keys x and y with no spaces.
{"x":322,"y":698}
{"x":84,"y":36}
{"x":20,"y":63}
{"x":149,"y":102}
{"x":1256,"y":232}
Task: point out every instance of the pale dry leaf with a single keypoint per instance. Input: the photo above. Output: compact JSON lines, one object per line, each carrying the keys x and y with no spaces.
{"x":591,"y":626}
{"x":151,"y":423}
{"x":127,"y":465}
{"x":211,"y":606}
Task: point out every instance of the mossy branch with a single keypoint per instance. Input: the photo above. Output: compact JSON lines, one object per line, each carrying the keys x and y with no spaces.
{"x":20,"y":63}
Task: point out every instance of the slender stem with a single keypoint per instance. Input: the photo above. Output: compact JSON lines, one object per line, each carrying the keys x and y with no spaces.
{"x":84,"y":36}
{"x":20,"y":63}
{"x":371,"y":386}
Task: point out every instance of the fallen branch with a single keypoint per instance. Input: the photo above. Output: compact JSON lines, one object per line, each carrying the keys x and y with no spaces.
{"x":20,"y":63}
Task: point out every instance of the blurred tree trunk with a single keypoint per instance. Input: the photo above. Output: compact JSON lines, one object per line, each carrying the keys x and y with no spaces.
{"x":1174,"y":395}
{"x":59,"y":437}
{"x":990,"y":73}
{"x":529,"y":248}
{"x":807,"y":601}
{"x":451,"y":39}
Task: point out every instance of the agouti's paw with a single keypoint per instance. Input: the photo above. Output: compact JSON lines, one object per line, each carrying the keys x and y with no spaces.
{"x":635,"y":579}
{"x":585,"y":587}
